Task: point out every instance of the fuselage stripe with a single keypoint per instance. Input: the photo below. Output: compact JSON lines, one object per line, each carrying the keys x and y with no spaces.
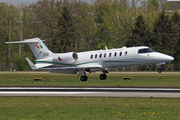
{"x":81,"y":63}
{"x":66,"y":64}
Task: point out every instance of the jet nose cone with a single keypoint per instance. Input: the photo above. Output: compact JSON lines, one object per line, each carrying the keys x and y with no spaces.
{"x":162,"y":57}
{"x":171,"y":58}
{"x":168,"y":58}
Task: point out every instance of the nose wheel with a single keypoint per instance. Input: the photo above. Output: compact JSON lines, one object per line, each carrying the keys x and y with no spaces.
{"x":103,"y":76}
{"x":159,"y":70}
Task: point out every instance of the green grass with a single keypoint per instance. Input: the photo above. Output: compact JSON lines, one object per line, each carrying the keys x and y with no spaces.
{"x":113,"y":79}
{"x":65,"y":108}
{"x":75,"y":108}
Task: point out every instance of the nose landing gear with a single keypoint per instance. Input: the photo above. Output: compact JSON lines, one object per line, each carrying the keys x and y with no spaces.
{"x":159,"y":70}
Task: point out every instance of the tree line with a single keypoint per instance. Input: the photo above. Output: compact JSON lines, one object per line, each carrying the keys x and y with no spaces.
{"x":74,"y":25}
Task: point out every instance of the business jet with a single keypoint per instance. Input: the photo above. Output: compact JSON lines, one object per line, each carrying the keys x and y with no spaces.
{"x":81,"y":63}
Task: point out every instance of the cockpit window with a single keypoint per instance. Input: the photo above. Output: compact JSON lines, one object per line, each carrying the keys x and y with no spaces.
{"x":146,"y":50}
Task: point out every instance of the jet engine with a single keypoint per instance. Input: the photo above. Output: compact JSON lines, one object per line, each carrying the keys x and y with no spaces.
{"x":66,"y":58}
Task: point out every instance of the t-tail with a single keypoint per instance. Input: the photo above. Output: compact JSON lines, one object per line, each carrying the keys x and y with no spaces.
{"x":37,"y":46}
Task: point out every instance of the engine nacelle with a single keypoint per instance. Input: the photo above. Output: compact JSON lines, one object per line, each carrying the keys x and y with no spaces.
{"x":66,"y":58}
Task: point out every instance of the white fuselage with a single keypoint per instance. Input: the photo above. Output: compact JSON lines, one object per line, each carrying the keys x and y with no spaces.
{"x":109,"y":58}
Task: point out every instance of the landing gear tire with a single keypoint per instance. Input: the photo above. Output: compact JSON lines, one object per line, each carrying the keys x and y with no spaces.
{"x":159,"y":70}
{"x":84,"y":78}
{"x":103,"y":76}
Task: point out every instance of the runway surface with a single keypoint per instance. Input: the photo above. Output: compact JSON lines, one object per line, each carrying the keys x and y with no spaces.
{"x":91,"y":92}
{"x":111,"y":72}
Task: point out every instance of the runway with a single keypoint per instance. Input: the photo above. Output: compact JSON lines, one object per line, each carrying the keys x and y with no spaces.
{"x":91,"y":92}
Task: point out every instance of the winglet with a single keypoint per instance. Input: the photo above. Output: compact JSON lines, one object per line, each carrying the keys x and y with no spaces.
{"x":33,"y":67}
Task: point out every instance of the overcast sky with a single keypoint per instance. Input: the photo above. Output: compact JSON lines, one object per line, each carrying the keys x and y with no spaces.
{"x":15,"y":2}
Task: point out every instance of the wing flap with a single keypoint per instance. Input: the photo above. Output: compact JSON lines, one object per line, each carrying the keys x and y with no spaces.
{"x":64,"y":71}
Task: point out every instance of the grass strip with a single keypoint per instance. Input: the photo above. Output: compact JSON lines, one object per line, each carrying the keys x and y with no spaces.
{"x":115,"y":79}
{"x":76,"y":108}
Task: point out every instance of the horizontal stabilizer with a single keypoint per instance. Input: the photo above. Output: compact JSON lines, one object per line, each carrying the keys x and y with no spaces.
{"x":25,"y":41}
{"x":37,"y":46}
{"x":33,"y":67}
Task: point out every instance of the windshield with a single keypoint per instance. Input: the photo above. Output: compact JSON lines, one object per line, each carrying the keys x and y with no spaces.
{"x":146,"y":50}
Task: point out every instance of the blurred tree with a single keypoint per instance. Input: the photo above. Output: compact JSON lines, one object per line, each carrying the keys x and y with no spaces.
{"x":116,"y":21}
{"x":140,"y":33}
{"x":65,"y":34}
{"x":20,"y":62}
{"x":176,"y":20}
{"x":85,"y":28}
{"x":8,"y":15}
{"x":22,"y":21}
{"x":65,"y":39}
{"x":164,"y":36}
{"x":44,"y":17}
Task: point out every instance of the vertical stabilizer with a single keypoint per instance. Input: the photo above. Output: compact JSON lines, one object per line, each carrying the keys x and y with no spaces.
{"x":38,"y":48}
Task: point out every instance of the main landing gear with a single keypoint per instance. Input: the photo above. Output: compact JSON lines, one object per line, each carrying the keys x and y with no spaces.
{"x":84,"y":78}
{"x":103,"y":76}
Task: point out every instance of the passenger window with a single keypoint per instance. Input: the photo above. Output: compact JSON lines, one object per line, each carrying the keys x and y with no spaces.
{"x":91,"y":56}
{"x":100,"y":55}
{"x":125,"y":53}
{"x":120,"y":53}
{"x":96,"y":56}
{"x":115,"y":54}
{"x":109,"y":54}
{"x":104,"y":55}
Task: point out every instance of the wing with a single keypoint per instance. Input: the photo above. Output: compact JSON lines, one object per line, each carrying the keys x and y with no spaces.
{"x":71,"y":68}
